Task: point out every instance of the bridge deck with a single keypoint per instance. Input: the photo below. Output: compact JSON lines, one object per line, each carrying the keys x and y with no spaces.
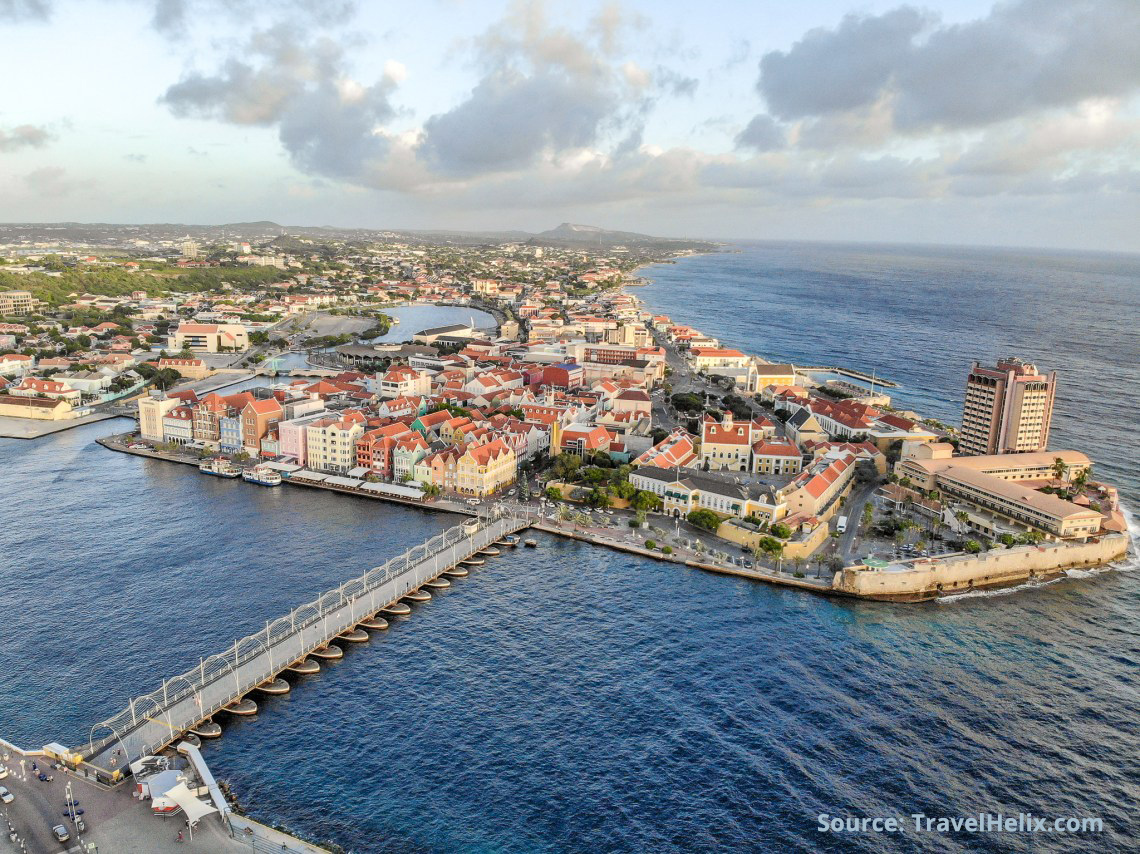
{"x":155,"y":720}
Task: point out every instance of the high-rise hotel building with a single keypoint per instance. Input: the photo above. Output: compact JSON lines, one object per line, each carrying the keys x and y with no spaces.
{"x":1008,"y":409}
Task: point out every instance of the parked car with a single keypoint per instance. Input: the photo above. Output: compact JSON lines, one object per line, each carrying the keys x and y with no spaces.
{"x":6,"y":796}
{"x":137,"y":446}
{"x":3,"y":772}
{"x":61,"y":834}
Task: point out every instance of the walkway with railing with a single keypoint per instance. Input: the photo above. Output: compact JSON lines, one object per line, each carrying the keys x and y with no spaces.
{"x":157,"y":719}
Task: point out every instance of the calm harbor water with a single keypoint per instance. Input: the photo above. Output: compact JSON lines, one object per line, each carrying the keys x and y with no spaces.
{"x":568,"y":698}
{"x":415,"y":318}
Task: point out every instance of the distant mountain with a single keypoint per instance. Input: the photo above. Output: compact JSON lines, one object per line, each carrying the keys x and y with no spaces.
{"x":569,"y":235}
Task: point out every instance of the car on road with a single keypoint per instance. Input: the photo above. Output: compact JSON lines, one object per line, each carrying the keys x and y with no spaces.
{"x":61,"y":834}
{"x":6,"y":796}
{"x":3,"y":772}
{"x":137,"y":446}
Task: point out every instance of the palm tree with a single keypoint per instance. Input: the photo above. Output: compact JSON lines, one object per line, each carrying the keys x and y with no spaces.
{"x":963,"y":517}
{"x":1059,"y":469}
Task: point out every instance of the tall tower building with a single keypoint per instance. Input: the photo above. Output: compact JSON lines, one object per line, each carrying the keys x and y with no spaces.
{"x":1008,"y":409}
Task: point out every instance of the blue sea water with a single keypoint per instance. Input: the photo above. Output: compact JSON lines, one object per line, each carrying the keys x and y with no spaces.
{"x":571,"y":699}
{"x":920,"y":315}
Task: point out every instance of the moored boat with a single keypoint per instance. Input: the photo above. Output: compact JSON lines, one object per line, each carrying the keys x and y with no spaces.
{"x":511,"y":540}
{"x":438,"y":584}
{"x":531,"y":544}
{"x":262,"y":476}
{"x":219,"y":467}
{"x":418,"y":596}
{"x":456,"y":572}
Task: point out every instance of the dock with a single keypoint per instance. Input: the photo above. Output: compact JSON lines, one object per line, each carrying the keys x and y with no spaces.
{"x":846,"y":372}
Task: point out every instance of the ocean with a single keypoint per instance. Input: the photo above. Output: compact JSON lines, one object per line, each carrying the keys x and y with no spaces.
{"x":570,"y":699}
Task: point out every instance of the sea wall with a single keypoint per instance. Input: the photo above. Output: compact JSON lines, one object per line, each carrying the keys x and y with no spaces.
{"x":935,"y":577}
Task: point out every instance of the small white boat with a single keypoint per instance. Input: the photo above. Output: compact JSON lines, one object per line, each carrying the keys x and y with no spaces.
{"x":219,"y":467}
{"x":531,"y":544}
{"x":262,"y":476}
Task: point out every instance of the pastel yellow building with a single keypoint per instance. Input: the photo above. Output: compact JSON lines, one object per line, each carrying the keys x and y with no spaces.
{"x":486,"y":469}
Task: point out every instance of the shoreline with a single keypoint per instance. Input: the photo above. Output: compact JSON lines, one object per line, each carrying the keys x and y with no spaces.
{"x":646,"y":280}
{"x":932,"y":592}
{"x":546,"y":526}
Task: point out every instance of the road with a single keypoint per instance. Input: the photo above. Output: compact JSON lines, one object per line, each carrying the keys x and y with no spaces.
{"x":850,"y":540}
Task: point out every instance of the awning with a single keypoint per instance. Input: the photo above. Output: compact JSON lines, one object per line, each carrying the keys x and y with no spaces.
{"x":191,"y":806}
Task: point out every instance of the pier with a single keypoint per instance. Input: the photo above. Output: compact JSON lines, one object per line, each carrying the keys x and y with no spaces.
{"x":847,"y":372}
{"x":156,"y":720}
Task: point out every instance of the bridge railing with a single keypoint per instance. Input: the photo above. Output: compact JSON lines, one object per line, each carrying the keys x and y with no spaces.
{"x":280,"y":632}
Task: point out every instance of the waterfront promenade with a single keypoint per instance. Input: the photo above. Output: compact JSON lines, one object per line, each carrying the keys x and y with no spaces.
{"x":619,"y":539}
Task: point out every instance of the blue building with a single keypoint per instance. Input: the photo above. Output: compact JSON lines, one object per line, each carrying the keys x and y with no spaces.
{"x":229,"y":433}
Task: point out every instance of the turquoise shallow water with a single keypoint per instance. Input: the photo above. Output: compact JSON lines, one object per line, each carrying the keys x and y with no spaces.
{"x":567,"y":698}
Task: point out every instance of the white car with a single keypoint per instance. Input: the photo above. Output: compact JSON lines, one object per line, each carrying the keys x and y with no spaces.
{"x":6,"y":796}
{"x":3,"y":772}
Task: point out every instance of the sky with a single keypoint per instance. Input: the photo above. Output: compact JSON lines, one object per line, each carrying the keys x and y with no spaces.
{"x":942,"y":121}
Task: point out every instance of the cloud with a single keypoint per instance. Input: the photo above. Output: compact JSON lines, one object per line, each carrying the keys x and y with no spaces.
{"x":23,"y":136}
{"x":841,"y":69}
{"x":25,"y":10}
{"x":1026,"y":56}
{"x":53,"y":182}
{"x":327,"y":121}
{"x":546,"y":91}
{"x":761,"y":134}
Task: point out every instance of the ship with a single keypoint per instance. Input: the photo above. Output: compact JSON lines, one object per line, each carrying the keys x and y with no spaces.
{"x":220,"y":467}
{"x":262,"y":475}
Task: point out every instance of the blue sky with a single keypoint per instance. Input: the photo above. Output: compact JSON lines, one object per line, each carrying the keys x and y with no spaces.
{"x":946,"y":122}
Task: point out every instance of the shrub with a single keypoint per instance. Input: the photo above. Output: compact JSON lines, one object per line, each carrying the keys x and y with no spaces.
{"x":797,"y":574}
{"x":704,"y":519}
{"x":651,"y":544}
{"x":781,"y":530}
{"x":668,"y":550}
{"x":633,"y":523}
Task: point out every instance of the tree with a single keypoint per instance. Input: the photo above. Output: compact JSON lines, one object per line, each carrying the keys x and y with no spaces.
{"x":645,"y":501}
{"x":1059,"y":469}
{"x":781,"y":530}
{"x":552,"y":493}
{"x":770,"y":546}
{"x":972,"y":546}
{"x":704,"y":519}
{"x":598,"y":498}
{"x":624,"y":490}
{"x":565,"y":465}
